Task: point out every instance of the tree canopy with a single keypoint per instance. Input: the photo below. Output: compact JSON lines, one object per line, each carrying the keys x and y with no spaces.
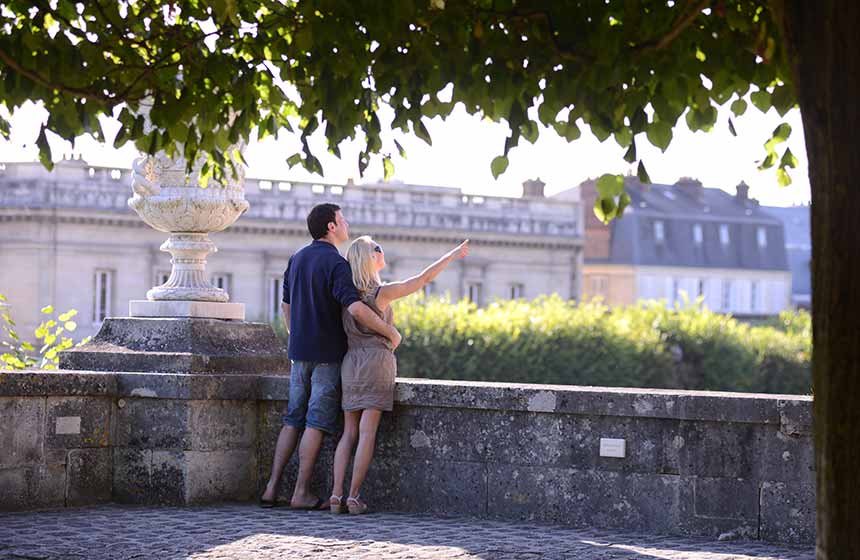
{"x":214,"y":72}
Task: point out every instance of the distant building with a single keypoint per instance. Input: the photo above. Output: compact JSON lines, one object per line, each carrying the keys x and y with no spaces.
{"x":67,"y":238}
{"x":686,"y":239}
{"x":798,"y":245}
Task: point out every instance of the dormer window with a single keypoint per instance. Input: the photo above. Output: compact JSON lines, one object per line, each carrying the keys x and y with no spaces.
{"x":724,"y":234}
{"x":698,"y":236}
{"x":659,"y":232}
{"x":761,"y":237}
{"x":265,"y":185}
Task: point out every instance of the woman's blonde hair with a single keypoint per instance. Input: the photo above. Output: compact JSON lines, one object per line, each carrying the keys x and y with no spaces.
{"x":360,"y":257}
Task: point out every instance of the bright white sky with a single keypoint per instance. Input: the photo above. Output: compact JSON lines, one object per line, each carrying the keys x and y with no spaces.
{"x":464,"y":146}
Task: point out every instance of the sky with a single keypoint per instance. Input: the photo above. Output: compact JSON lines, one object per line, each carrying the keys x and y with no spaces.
{"x":464,"y":145}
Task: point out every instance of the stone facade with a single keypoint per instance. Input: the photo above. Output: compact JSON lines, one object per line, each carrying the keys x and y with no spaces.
{"x":694,"y":463}
{"x":68,"y":239}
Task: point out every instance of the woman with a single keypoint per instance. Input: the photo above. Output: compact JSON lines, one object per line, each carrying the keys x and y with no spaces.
{"x":369,"y":367}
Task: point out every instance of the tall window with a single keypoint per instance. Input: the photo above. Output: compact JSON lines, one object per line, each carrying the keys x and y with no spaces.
{"x":700,"y":287}
{"x":761,"y":237}
{"x":698,"y":236}
{"x":726,"y":299}
{"x":754,"y":291}
{"x":600,"y":286}
{"x":517,"y":291}
{"x":659,"y":232}
{"x":276,"y":296}
{"x":473,"y":292}
{"x":724,"y":234}
{"x":103,"y":285}
{"x":223,"y":281}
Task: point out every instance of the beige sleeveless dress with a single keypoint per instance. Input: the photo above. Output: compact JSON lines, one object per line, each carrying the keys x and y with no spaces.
{"x":369,"y":367}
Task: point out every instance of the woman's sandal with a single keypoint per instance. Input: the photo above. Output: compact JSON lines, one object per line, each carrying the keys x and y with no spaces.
{"x":336,"y":504}
{"x":355,"y":506}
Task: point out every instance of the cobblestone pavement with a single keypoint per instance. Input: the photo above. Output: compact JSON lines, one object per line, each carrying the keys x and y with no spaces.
{"x":245,"y":531}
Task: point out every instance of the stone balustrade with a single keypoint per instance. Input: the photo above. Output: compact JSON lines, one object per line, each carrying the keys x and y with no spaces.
{"x":695,"y":463}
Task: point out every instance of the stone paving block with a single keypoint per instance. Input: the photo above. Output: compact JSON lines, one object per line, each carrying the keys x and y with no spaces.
{"x":223,"y":425}
{"x":90,"y":473}
{"x":77,"y":422}
{"x":788,"y":512}
{"x":576,"y":497}
{"x":153,"y":423}
{"x":218,"y":476}
{"x":22,"y":430}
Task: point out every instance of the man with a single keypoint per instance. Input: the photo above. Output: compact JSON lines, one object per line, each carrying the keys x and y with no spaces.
{"x":317,"y":286}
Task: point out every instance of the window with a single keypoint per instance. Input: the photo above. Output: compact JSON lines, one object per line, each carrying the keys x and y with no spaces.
{"x":103,"y":284}
{"x":265,"y":185}
{"x":91,"y":172}
{"x":478,"y":200}
{"x":761,"y":237}
{"x":276,"y":296}
{"x":336,"y":190}
{"x":115,"y":174}
{"x":700,"y":288}
{"x":474,"y":292}
{"x":222,"y":281}
{"x":754,"y":291}
{"x":600,"y":286}
{"x":659,"y":232}
{"x":698,"y":236}
{"x":726,"y":299}
{"x":517,"y":291}
{"x":318,"y":189}
{"x":724,"y":234}
{"x":283,"y":186}
{"x":676,"y":289}
{"x":429,"y":289}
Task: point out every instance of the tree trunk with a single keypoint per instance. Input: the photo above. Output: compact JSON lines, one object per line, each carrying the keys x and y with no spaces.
{"x":822,"y":38}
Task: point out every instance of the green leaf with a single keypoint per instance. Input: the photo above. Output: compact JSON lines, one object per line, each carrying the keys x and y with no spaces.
{"x":761,"y":99}
{"x":659,"y":133}
{"x":400,"y":149}
{"x":421,"y":131}
{"x":294,"y":160}
{"x":783,"y":177}
{"x":739,"y":107}
{"x":788,"y":159}
{"x":388,"y":168}
{"x":610,"y":186}
{"x":604,"y":209}
{"x":45,"y":157}
{"x":630,"y":155}
{"x":642,"y":173}
{"x":498,"y":166}
{"x":623,"y":203}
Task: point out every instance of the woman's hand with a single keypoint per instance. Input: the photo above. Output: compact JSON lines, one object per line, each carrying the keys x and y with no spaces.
{"x":461,"y":251}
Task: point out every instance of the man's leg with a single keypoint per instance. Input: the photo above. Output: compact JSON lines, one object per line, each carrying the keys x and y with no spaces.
{"x":294,"y":423}
{"x":323,"y":417}
{"x":283,"y":451}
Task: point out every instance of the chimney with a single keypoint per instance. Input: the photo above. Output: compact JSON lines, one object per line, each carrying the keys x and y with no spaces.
{"x":533,"y":188}
{"x":743,"y":193}
{"x":350,"y":182}
{"x":693,"y":187}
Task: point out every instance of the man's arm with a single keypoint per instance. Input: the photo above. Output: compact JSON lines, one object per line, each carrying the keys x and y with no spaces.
{"x":285,"y":315}
{"x":368,"y":318}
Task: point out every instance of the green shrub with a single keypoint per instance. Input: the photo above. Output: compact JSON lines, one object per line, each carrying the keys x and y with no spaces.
{"x":550,"y":340}
{"x":22,"y":354}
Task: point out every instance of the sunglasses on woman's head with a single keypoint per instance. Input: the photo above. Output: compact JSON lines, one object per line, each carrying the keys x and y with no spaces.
{"x":377,"y":249}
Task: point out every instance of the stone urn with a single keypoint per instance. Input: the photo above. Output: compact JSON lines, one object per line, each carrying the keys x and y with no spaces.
{"x":171,"y":201}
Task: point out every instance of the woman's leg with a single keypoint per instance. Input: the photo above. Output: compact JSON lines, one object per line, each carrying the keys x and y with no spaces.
{"x":364,"y":454}
{"x":344,"y":449}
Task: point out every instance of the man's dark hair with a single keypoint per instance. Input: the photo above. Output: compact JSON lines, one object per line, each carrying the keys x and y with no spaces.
{"x":319,"y":218}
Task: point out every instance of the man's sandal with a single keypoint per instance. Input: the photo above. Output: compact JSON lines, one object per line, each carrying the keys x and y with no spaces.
{"x":355,"y":506}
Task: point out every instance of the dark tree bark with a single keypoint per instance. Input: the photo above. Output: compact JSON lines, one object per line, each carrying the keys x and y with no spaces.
{"x":823,"y":38}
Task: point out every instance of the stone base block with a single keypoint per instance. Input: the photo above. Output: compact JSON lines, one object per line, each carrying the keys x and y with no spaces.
{"x":198,"y":309}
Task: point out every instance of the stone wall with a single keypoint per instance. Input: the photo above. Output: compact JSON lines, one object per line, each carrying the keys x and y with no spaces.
{"x":716,"y":464}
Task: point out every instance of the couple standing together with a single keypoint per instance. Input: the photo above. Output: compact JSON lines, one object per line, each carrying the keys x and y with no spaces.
{"x":342,"y":339}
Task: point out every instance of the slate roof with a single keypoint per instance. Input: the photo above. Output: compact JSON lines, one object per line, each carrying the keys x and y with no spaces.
{"x":795,"y":220}
{"x":680,"y":208}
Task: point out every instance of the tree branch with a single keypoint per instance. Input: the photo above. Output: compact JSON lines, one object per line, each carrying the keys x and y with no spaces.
{"x":683,"y":21}
{"x":37,"y":78}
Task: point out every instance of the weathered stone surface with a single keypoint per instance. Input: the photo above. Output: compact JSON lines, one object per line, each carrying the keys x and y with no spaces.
{"x":180,"y":346}
{"x":32,"y":383}
{"x":788,"y":512}
{"x":153,"y":424}
{"x":223,"y":425}
{"x":77,"y":422}
{"x":32,"y":487}
{"x":142,"y":476}
{"x":89,"y":473}
{"x":219,"y":476}
{"x":22,"y":430}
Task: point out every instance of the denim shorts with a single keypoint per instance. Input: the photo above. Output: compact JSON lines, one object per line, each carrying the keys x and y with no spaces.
{"x":314,"y":399}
